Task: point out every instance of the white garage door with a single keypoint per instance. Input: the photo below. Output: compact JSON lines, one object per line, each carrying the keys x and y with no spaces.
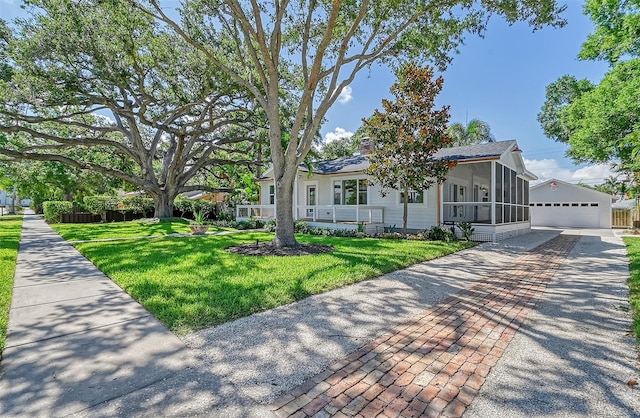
{"x":574,"y":215}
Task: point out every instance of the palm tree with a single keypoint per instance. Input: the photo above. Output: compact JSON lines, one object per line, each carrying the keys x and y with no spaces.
{"x":475,"y":132}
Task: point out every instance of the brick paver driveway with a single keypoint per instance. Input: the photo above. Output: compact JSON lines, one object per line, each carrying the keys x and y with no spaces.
{"x":435,"y":364}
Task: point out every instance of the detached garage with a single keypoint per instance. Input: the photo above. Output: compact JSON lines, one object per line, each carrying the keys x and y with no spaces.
{"x":557,"y":203}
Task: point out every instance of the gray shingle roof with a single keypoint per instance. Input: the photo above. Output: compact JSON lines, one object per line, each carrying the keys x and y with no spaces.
{"x":340,"y":165}
{"x":470,"y":152}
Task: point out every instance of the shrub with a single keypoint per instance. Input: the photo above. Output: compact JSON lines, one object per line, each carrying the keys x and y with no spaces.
{"x":227,"y":216}
{"x":53,"y":210}
{"x":183,"y":205}
{"x":226,"y":224}
{"x":270,"y":225}
{"x":204,"y":206}
{"x":36,"y":205}
{"x":137,"y":204}
{"x":440,"y":233}
{"x":251,"y":223}
{"x":99,"y":205}
{"x":466,"y":230}
{"x":301,"y":227}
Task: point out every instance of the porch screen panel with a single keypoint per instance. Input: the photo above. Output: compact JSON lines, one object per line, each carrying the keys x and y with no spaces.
{"x":514,"y":186}
{"x":506,"y":186}
{"x":520,"y":191}
{"x":498,"y":214}
{"x":526,"y":194}
{"x":498,"y":182}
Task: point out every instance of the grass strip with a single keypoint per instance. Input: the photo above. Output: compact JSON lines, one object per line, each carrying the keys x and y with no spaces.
{"x":82,"y":232}
{"x":633,"y":250}
{"x":193,"y":283}
{"x":10,"y":230}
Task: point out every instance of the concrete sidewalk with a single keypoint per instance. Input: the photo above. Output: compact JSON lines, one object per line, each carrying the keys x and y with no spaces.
{"x":78,"y":345}
{"x":75,"y":339}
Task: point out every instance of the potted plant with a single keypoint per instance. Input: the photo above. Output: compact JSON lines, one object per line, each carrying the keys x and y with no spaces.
{"x":198,"y":225}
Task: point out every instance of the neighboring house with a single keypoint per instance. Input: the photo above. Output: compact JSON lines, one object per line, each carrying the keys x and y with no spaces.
{"x":202,"y":195}
{"x":558,"y":203}
{"x":5,"y":199}
{"x":489,"y":187}
{"x":624,"y":213}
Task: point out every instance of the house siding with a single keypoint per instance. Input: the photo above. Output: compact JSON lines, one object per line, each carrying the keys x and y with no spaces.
{"x":421,"y":215}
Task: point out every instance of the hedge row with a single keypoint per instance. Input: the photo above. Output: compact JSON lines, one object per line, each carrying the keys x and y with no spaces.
{"x":53,"y":210}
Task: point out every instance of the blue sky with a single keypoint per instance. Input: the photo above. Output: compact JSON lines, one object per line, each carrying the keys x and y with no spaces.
{"x":499,"y":79}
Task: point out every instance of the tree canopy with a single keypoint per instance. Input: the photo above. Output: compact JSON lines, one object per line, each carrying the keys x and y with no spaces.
{"x":314,"y":49}
{"x":474,"y":132}
{"x":407,"y":134}
{"x":601,"y":122}
{"x":93,"y":78}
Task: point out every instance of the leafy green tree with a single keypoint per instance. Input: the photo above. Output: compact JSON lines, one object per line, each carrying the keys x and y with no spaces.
{"x":104,"y":76}
{"x":617,"y":32}
{"x":343,"y":147}
{"x":559,"y":95}
{"x":407,"y":134}
{"x":314,"y":49}
{"x":601,"y":123}
{"x":474,"y":132}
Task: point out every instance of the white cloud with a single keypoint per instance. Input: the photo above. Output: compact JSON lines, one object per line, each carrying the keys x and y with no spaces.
{"x":338,"y":133}
{"x":549,"y":168}
{"x":345,"y":95}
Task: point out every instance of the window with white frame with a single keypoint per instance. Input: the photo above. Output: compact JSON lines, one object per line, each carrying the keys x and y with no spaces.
{"x":350,"y":192}
{"x":414,"y":196}
{"x":272,"y":194}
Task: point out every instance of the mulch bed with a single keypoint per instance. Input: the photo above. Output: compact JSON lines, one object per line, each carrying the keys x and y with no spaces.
{"x":267,"y":248}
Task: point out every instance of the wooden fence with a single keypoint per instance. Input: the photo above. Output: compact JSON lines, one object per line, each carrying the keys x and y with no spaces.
{"x":625,"y":218}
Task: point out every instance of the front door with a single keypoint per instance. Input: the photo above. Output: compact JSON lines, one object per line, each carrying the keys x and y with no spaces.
{"x":311,"y":199}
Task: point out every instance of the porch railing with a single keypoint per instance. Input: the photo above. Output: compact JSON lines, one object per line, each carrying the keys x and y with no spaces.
{"x":256,"y":211}
{"x":321,"y":213}
{"x":467,"y":212}
{"x":341,"y":213}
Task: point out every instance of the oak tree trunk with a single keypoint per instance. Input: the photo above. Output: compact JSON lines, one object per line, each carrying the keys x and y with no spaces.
{"x":285,"y":234}
{"x":163,"y":204}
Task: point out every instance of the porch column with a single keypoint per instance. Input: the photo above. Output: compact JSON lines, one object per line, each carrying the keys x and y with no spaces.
{"x":295,"y":198}
{"x":275,"y":190}
{"x":493,"y":192}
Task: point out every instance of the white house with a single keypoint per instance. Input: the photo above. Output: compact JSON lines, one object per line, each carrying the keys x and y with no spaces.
{"x":489,"y":187}
{"x":5,"y":199}
{"x":558,"y":203}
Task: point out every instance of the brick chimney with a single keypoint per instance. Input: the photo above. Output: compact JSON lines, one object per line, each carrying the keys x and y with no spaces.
{"x":366,"y":145}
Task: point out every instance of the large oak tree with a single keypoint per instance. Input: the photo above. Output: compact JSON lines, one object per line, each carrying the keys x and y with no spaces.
{"x":313,"y":49}
{"x":92,"y":75}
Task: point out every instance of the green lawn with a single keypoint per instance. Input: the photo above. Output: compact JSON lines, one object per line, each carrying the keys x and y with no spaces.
{"x":192,"y":283}
{"x":633,"y":249}
{"x":10,"y":229}
{"x":81,"y":232}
